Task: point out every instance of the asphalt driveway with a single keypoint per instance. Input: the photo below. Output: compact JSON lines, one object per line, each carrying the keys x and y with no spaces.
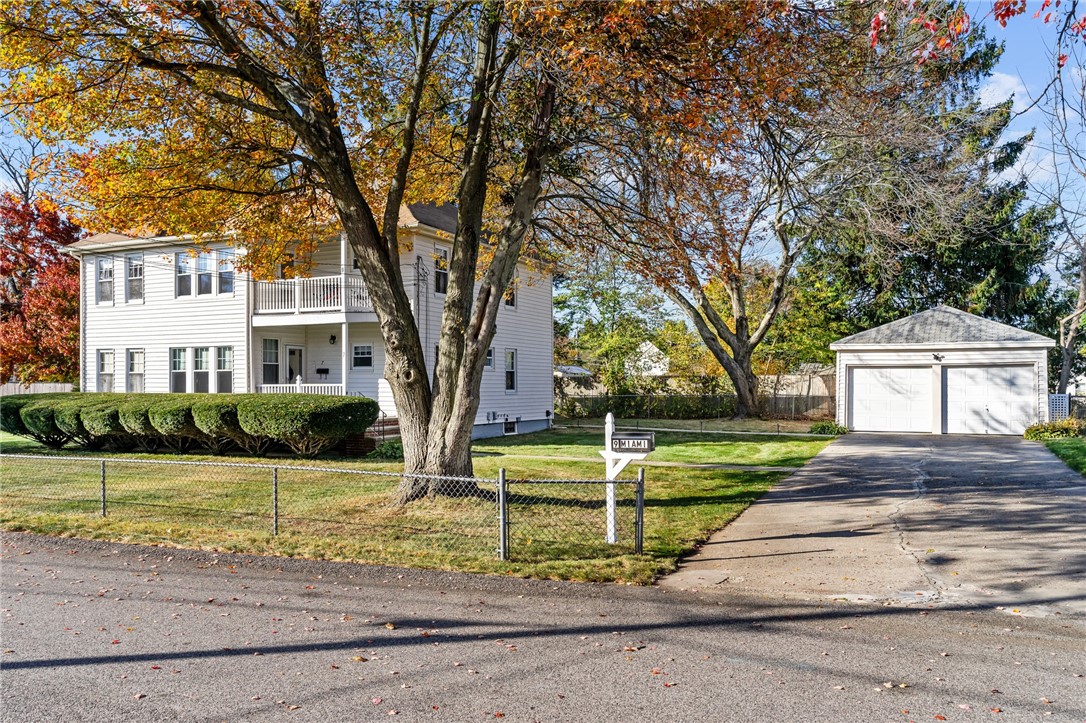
{"x":989,"y":521}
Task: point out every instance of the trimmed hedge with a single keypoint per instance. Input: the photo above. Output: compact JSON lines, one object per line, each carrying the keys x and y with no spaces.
{"x":1063,"y":429}
{"x":306,"y":423}
{"x":40,"y":422}
{"x":10,"y":408}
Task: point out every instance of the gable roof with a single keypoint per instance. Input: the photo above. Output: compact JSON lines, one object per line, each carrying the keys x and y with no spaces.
{"x":441,"y":217}
{"x":943,"y":326}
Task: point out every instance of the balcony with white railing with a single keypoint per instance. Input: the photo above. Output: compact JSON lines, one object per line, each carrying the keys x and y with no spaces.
{"x":311,"y":295}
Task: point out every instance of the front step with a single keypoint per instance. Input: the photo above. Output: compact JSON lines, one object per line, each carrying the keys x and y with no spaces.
{"x":357,"y":445}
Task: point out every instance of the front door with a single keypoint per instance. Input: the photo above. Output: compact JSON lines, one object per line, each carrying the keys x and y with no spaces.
{"x":295,"y":367}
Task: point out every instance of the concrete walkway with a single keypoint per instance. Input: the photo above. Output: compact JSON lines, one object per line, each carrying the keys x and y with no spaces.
{"x":987,"y":521}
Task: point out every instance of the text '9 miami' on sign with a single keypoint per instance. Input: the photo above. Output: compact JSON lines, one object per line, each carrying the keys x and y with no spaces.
{"x":633,"y":442}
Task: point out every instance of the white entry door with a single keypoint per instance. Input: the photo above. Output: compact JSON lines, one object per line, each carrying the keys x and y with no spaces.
{"x":890,"y":399}
{"x":295,"y":364}
{"x":990,"y":399}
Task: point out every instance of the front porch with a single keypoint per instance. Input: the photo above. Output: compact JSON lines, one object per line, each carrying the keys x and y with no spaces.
{"x":339,"y":359}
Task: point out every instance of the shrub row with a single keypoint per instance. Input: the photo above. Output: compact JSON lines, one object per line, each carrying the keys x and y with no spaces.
{"x":828,"y":427}
{"x":1063,"y":429}
{"x":306,"y":423}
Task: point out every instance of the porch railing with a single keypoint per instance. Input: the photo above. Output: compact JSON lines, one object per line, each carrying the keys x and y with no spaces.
{"x":299,"y":388}
{"x":320,"y":293}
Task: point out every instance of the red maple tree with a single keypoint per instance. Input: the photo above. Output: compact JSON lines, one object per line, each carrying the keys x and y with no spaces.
{"x":39,"y":296}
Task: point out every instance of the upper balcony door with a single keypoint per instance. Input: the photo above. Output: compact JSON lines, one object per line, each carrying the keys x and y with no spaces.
{"x":295,"y":364}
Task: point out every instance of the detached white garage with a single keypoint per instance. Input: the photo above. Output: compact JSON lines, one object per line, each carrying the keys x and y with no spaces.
{"x":942,"y":371}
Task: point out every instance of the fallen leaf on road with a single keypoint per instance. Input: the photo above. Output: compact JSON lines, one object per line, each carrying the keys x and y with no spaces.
{"x":997,"y":710}
{"x":390,"y":626}
{"x":377,"y":701}
{"x":139,"y":696}
{"x":940,"y":717}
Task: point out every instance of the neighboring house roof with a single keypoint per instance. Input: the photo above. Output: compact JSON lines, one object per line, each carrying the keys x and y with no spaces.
{"x":650,"y":361}
{"x":441,"y":217}
{"x":571,"y":371}
{"x":943,"y":326}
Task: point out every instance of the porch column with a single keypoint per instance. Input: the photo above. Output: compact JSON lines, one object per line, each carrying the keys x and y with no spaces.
{"x":344,"y":355}
{"x":343,"y":246}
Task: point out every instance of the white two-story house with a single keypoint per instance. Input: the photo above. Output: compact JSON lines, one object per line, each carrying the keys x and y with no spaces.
{"x":159,"y":314}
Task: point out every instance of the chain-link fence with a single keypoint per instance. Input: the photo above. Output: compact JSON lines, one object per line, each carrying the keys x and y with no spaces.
{"x":522,"y":520}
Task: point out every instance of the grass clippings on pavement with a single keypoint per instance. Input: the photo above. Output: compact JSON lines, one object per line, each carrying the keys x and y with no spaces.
{"x":556,"y":531}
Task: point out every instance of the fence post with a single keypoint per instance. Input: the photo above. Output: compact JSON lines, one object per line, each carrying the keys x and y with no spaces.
{"x":103,"y":481}
{"x":639,"y":513}
{"x":275,"y":501}
{"x":503,"y":517}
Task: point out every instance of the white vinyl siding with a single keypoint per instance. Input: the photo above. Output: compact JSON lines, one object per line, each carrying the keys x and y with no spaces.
{"x":161,"y":321}
{"x":106,"y":370}
{"x":137,"y":369}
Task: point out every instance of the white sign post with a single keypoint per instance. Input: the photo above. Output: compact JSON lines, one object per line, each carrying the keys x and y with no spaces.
{"x":615,"y":463}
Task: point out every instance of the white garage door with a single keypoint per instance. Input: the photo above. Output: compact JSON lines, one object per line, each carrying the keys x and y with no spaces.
{"x":890,"y":399}
{"x":990,"y":399}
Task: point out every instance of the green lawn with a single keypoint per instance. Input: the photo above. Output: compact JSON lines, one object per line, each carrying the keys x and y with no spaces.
{"x":770,"y":451}
{"x":556,"y":530}
{"x":1072,"y":451}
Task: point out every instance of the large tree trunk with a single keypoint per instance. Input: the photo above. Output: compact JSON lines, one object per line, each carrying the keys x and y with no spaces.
{"x":467,"y":327}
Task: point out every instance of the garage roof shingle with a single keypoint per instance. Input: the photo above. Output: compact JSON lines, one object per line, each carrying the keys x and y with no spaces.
{"x":941,"y":325}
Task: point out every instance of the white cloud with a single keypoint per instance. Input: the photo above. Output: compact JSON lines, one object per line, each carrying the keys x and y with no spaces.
{"x":1002,"y":86}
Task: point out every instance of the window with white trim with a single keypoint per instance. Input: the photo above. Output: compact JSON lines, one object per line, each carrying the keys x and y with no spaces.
{"x":183,"y":262}
{"x":224,"y":370}
{"x":510,"y":370}
{"x":205,"y":274}
{"x":489,"y":363}
{"x":104,"y":283}
{"x":136,"y":366}
{"x":105,"y":370}
{"x":510,"y":427}
{"x":362,"y":356}
{"x":226,"y":271}
{"x":270,"y":360}
{"x":201,"y":369}
{"x":441,"y":270}
{"x":179,"y":370}
{"x":133,"y":277}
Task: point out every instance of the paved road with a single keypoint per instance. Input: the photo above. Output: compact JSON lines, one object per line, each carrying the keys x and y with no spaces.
{"x":959,"y":521}
{"x":98,"y":631}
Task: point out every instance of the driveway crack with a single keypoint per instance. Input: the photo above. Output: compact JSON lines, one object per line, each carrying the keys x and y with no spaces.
{"x":919,"y":483}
